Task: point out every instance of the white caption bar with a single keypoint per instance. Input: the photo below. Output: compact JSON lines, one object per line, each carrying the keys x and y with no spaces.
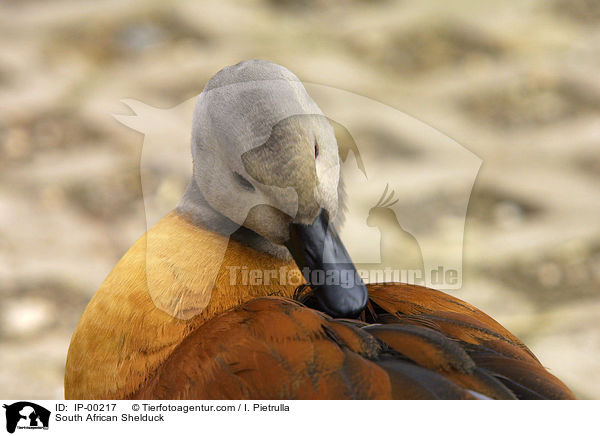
{"x":274,"y":417}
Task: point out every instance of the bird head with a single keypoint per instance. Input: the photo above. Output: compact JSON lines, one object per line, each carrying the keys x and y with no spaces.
{"x":266,"y":158}
{"x":264,"y":154}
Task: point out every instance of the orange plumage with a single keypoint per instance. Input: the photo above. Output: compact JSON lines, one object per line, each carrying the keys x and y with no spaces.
{"x":257,"y":342}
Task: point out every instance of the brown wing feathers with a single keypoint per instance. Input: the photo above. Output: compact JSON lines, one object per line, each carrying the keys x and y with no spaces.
{"x":269,"y":348}
{"x":424,"y":345}
{"x":404,"y":299}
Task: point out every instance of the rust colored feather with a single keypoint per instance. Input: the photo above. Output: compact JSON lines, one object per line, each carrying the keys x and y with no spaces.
{"x":527,"y":380}
{"x":280,"y":351}
{"x":426,"y":347}
{"x":410,"y":382}
{"x":453,"y":315}
{"x":410,"y":343}
{"x":274,"y":348}
{"x":418,"y":300}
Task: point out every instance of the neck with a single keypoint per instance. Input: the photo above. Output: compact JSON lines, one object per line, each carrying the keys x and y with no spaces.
{"x":196,"y":209}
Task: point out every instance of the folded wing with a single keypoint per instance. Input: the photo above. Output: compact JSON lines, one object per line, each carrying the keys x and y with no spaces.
{"x":411,"y":343}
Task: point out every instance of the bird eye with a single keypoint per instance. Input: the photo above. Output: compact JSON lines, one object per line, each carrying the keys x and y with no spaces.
{"x":316,"y":149}
{"x":243,"y":181}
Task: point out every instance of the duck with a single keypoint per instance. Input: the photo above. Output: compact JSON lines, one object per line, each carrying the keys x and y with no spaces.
{"x":224,"y":297}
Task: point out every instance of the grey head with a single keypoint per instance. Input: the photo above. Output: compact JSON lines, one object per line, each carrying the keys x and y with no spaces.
{"x":264,"y":156}
{"x":267,"y":172}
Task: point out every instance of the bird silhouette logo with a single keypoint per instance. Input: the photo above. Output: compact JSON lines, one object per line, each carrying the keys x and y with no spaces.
{"x":26,"y":415}
{"x":399,"y":249}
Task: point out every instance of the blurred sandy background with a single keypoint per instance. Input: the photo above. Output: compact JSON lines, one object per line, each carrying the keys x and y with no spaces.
{"x":517,"y":84}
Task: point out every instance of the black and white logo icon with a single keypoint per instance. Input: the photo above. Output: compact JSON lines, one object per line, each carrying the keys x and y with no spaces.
{"x":26,"y":415}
